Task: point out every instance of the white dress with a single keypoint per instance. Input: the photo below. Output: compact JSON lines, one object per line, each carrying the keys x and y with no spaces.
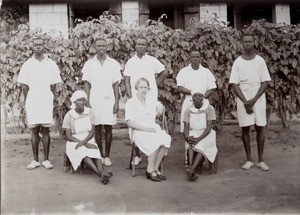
{"x":200,"y":80}
{"x":80,"y":125}
{"x":249,"y":74}
{"x":197,"y":119}
{"x":147,"y":142}
{"x":39,"y":76}
{"x":147,"y":67}
{"x":102,"y":78}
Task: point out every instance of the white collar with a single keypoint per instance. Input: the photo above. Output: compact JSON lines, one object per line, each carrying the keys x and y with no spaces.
{"x":96,"y":59}
{"x":86,"y":110}
{"x":190,"y":67}
{"x":45,"y":58}
{"x":145,"y":55}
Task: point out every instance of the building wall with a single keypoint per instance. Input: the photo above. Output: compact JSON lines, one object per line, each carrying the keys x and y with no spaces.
{"x":49,"y":17}
{"x":281,"y":14}
{"x":209,"y":12}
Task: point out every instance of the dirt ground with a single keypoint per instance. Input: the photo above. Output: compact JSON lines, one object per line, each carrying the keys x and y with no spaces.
{"x":231,"y":190}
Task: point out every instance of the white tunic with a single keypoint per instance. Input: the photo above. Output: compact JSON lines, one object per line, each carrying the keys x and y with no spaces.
{"x":146,"y":67}
{"x":102,"y":78}
{"x":147,"y":142}
{"x":39,"y":76}
{"x":80,"y":126}
{"x":200,"y":80}
{"x":249,"y":74}
{"x":198,"y":123}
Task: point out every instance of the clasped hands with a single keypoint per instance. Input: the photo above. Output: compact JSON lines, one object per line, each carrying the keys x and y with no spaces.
{"x":86,"y":144}
{"x":192,"y":141}
{"x":248,"y":105}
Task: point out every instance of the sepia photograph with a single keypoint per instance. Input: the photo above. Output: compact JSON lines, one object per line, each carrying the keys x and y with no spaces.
{"x":150,"y":107}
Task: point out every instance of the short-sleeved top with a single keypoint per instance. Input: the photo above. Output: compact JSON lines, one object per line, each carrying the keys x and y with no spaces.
{"x":252,"y":71}
{"x":209,"y":112}
{"x":102,"y":77}
{"x":39,"y":75}
{"x":146,"y":67}
{"x":200,"y":80}
{"x":138,"y":113}
{"x":72,"y":115}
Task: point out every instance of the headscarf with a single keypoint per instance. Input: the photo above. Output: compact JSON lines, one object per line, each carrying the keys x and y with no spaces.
{"x":77,"y":95}
{"x":197,"y":91}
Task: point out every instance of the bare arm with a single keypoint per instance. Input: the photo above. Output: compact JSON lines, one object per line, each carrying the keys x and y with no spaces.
{"x":138,"y":127}
{"x":239,"y":93}
{"x":161,"y":77}
{"x":209,"y":124}
{"x":127,"y":86}
{"x":71,"y":138}
{"x":117,"y":97}
{"x":208,"y":93}
{"x":184,"y":90}
{"x":87,"y":89}
{"x":25,"y":90}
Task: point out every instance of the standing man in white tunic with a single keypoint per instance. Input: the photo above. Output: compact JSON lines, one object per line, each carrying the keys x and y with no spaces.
{"x":142,"y":65}
{"x":194,"y":78}
{"x":102,"y":75}
{"x":38,"y":77}
{"x":249,"y":78}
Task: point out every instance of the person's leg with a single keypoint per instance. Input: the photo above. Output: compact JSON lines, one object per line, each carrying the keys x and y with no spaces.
{"x":108,"y":139}
{"x":150,"y":172}
{"x":88,"y":162}
{"x":246,"y":142}
{"x":197,"y":159}
{"x":46,"y":141}
{"x":100,"y":168}
{"x":35,"y":140}
{"x":98,"y":138}
{"x":190,"y":153}
{"x":160,"y":155}
{"x":260,"y":138}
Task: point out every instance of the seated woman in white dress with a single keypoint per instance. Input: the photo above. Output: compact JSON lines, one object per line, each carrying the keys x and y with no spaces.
{"x":198,"y":133}
{"x":140,"y":115}
{"x":81,"y":146}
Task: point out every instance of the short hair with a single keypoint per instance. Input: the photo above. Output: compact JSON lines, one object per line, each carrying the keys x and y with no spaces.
{"x":139,"y":80}
{"x":193,"y":49}
{"x":142,"y":38}
{"x":99,"y":39}
{"x":38,"y":37}
{"x":247,"y":34}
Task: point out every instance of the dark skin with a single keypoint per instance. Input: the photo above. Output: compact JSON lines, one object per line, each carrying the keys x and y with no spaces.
{"x":38,"y":52}
{"x":195,"y":157}
{"x":141,"y":48}
{"x":195,"y":59}
{"x":94,"y":164}
{"x":249,"y":54}
{"x":101,"y":47}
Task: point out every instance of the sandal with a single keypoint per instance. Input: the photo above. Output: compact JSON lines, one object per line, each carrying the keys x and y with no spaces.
{"x":104,"y":179}
{"x":189,"y":172}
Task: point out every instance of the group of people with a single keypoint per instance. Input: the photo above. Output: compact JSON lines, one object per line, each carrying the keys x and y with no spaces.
{"x":93,"y":110}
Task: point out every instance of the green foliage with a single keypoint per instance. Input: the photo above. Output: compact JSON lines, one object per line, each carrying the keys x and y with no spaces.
{"x":219,"y":46}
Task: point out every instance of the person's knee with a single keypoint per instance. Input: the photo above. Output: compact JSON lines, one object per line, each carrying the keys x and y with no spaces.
{"x":108,"y":129}
{"x":35,"y":130}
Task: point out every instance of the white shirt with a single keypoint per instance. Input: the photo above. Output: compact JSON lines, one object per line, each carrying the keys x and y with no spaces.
{"x":102,"y":77}
{"x":200,"y":80}
{"x":39,"y":76}
{"x":252,"y":71}
{"x":146,"y":67}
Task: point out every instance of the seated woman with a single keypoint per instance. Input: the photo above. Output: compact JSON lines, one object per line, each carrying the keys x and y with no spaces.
{"x":81,"y":145}
{"x":198,"y":133}
{"x":140,"y":115}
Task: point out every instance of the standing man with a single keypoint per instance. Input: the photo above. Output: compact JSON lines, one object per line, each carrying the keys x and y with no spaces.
{"x":249,"y":78}
{"x":102,"y":75}
{"x":194,"y":78}
{"x":38,"y":77}
{"x":142,"y":65}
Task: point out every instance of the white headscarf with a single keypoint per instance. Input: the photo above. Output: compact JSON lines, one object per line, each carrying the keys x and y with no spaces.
{"x":77,"y":95}
{"x":197,"y":91}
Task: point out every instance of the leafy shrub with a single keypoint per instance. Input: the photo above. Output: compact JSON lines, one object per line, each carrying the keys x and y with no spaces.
{"x":219,"y":47}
